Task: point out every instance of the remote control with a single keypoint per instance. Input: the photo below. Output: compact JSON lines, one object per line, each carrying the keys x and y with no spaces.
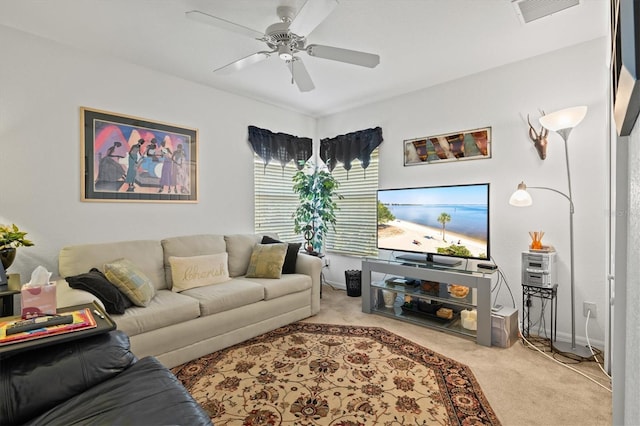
{"x":36,"y":323}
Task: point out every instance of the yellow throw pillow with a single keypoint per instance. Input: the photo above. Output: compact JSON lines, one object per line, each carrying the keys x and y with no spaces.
{"x":130,"y":280}
{"x":198,"y":271}
{"x":266,"y":261}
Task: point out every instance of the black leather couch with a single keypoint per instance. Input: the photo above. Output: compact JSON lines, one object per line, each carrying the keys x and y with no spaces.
{"x":96,"y":380}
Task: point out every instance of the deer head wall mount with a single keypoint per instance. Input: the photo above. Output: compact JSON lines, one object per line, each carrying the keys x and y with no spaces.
{"x":539,"y":139}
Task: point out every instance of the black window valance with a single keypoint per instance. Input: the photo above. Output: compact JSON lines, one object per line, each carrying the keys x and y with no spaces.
{"x":345,"y":148}
{"x":280,"y":147}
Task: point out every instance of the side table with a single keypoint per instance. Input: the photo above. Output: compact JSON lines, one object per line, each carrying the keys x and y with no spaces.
{"x":543,"y":293}
{"x":6,"y":297}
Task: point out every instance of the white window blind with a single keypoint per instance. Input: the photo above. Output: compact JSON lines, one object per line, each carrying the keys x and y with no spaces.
{"x":274,"y":199}
{"x":357,"y":217}
{"x":355,"y":234}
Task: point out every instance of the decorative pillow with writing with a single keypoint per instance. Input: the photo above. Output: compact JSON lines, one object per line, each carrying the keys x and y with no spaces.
{"x":267,"y":260}
{"x":97,"y":284}
{"x":289,"y":266}
{"x":130,"y":280}
{"x":198,"y":271}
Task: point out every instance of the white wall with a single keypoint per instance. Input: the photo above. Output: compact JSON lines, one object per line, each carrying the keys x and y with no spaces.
{"x":42,"y":87}
{"x":501,"y":98}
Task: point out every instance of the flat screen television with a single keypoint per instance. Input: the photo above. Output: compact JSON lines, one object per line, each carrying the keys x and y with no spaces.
{"x":437,"y":224}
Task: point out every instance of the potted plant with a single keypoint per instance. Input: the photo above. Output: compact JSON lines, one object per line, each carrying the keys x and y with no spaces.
{"x":11,"y":237}
{"x":316,"y":211}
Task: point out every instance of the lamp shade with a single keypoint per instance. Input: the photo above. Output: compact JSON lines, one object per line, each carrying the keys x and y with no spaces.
{"x":567,"y":118}
{"x":521,"y":198}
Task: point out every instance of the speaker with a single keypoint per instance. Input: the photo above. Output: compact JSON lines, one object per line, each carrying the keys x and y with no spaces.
{"x":504,"y":327}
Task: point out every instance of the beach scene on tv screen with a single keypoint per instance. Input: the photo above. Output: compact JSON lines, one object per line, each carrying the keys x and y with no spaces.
{"x":446,"y":220}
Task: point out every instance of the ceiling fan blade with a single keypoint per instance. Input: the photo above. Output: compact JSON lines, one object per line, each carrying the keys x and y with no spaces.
{"x":243,"y":63}
{"x":205,"y":18}
{"x":311,"y":14}
{"x":300,"y":74}
{"x":354,"y":57}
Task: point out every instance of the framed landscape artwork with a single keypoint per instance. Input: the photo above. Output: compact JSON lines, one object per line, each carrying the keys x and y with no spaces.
{"x":127,"y":158}
{"x":466,"y":145}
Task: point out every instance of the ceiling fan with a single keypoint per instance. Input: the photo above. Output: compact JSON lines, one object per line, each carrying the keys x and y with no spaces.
{"x":287,"y":38}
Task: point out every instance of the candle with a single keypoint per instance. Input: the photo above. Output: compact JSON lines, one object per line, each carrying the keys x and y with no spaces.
{"x":469,"y":319}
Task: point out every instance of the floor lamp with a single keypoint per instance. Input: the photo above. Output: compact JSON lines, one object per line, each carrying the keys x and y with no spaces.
{"x":561,"y":122}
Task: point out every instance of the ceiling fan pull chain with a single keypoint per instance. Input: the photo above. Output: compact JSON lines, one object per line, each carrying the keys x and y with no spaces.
{"x":292,"y":79}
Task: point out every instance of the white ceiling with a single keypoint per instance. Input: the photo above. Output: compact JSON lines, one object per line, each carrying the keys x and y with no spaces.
{"x":421,"y":43}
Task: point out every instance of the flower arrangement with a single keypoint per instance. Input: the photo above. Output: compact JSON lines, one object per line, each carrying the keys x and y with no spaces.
{"x":12,"y":237}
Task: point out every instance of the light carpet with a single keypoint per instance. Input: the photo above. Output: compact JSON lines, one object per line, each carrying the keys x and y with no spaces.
{"x":320,"y":374}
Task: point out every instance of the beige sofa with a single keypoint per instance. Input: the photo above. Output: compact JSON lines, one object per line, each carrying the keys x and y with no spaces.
{"x":179,"y":327}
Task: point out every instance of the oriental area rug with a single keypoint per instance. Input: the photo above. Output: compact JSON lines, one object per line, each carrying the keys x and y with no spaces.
{"x":319,"y":374}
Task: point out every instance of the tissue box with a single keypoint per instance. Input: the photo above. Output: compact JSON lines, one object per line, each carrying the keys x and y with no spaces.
{"x":38,"y":300}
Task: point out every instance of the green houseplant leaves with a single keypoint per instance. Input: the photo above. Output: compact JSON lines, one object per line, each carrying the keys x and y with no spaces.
{"x":12,"y":237}
{"x":316,"y":211}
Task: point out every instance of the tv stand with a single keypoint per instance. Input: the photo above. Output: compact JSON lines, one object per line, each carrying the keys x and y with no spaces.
{"x":479,"y":297}
{"x":429,"y":258}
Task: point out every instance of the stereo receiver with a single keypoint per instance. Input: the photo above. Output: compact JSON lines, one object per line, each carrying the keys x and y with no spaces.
{"x":539,"y":269}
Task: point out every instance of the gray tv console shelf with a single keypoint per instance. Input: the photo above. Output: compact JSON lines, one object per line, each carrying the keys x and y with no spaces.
{"x":393,"y":271}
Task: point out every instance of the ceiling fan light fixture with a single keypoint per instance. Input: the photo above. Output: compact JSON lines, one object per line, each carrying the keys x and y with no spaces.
{"x":284,"y":52}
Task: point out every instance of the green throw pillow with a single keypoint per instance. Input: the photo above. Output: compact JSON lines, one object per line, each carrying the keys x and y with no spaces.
{"x":266,"y":261}
{"x":130,"y":280}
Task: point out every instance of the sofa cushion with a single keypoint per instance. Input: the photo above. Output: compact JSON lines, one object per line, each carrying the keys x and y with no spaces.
{"x":198,"y":271}
{"x":266,"y":261}
{"x":146,"y":254}
{"x":165,"y":309}
{"x":239,"y":247}
{"x":226,"y":296}
{"x":38,"y":380}
{"x":190,"y":245}
{"x":94,"y":281}
{"x":130,"y":280}
{"x":289,"y":266}
{"x":287,"y":284}
{"x":146,"y":393}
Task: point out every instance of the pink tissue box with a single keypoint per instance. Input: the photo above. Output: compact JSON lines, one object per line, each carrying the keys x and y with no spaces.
{"x":38,"y":301}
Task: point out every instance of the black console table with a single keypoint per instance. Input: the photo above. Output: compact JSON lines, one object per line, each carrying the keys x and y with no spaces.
{"x":543,"y":293}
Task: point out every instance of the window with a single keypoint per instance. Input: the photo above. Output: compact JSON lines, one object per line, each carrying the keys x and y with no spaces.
{"x":357,"y":217}
{"x":275,"y":203}
{"x":274,"y":199}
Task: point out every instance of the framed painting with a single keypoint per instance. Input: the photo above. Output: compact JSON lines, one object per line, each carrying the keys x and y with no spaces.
{"x":466,"y":145}
{"x":127,"y":158}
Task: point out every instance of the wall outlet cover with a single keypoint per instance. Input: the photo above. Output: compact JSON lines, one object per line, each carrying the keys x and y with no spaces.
{"x":586,"y":306}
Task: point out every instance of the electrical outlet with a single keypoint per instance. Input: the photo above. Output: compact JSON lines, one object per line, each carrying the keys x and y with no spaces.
{"x":589,"y":306}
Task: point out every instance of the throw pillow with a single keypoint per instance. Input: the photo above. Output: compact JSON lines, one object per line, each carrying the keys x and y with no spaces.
{"x":289,"y":266}
{"x":239,"y":247}
{"x":198,"y":271}
{"x":97,"y":284}
{"x":266,"y":261}
{"x":130,"y":280}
